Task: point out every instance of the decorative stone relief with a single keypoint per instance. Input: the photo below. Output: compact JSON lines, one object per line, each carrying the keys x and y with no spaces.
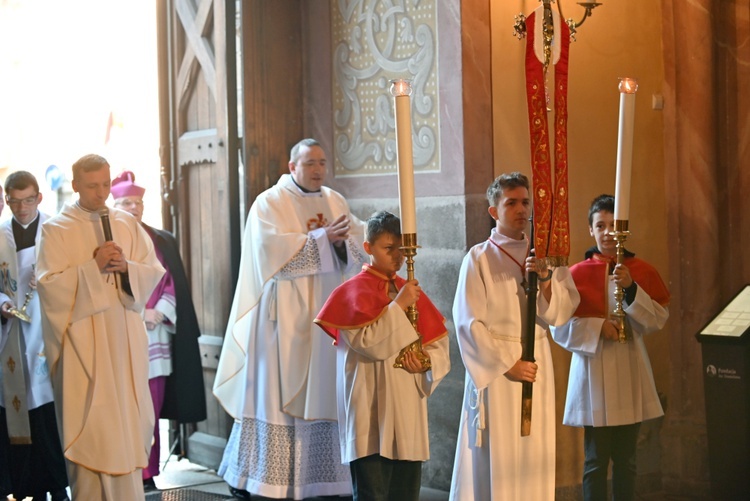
{"x":375,"y":41}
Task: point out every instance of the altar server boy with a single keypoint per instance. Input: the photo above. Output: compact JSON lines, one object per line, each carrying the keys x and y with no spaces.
{"x":611,"y":386}
{"x":382,"y":410}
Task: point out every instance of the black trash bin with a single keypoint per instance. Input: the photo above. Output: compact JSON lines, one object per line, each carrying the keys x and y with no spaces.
{"x":725,"y":343}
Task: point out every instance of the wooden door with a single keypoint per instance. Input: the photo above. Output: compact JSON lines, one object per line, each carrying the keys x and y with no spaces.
{"x":199,"y":152}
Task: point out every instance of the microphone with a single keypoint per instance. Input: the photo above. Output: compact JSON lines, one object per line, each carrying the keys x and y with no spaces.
{"x":106,"y":228}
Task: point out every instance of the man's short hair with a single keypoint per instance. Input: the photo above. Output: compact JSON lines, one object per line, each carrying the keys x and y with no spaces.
{"x":601,"y":203}
{"x":504,"y":182}
{"x":295,"y":154}
{"x":20,"y":180}
{"x":382,"y":222}
{"x":89,"y":163}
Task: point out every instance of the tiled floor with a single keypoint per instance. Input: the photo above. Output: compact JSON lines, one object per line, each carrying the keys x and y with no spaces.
{"x":182,"y":474}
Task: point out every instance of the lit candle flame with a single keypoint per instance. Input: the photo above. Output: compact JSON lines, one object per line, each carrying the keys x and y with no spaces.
{"x":400,"y":87}
{"x":628,"y":85}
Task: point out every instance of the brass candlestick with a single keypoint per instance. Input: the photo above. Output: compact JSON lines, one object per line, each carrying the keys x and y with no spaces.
{"x":620,"y":234}
{"x":409,"y":249}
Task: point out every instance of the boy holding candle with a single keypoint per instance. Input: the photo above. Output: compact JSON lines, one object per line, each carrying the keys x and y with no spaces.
{"x":382,"y":410}
{"x":611,"y":386}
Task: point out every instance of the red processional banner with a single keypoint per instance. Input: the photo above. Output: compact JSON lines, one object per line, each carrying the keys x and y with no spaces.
{"x":550,"y":193}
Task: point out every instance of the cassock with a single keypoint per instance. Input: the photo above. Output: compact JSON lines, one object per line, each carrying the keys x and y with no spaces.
{"x":97,"y":349}
{"x":35,"y":465}
{"x":611,"y":383}
{"x":184,"y":398}
{"x":276,"y":376}
{"x":175,"y":372}
{"x":493,"y":461}
{"x":162,"y":300}
{"x":381,"y":409}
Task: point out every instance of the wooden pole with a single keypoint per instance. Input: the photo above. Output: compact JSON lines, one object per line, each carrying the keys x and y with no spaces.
{"x":527,"y":355}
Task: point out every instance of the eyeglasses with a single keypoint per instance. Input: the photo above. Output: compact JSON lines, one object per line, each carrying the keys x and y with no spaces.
{"x":25,"y":201}
{"x":129,"y":203}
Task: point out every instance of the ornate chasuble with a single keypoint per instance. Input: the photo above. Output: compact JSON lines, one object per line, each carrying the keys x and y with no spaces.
{"x":287,"y":271}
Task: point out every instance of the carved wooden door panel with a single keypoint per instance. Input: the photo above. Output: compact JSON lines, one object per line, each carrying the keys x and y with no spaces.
{"x":199,"y":171}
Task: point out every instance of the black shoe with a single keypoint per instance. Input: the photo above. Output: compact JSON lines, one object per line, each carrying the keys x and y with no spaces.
{"x":59,"y":495}
{"x":149,"y":485}
{"x":239,"y":493}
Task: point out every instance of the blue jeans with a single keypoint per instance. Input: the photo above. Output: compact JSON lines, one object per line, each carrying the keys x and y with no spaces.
{"x":601,"y":444}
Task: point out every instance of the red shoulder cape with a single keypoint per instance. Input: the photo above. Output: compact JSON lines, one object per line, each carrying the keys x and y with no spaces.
{"x":591,"y":277}
{"x":363,"y":299}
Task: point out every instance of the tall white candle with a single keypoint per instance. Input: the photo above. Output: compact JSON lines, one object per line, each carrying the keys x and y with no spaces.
{"x":401,"y":89}
{"x":628,"y":88}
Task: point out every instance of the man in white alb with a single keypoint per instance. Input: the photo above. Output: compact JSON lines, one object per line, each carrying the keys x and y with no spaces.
{"x":93,"y":293}
{"x":493,"y":461}
{"x":276,"y":373}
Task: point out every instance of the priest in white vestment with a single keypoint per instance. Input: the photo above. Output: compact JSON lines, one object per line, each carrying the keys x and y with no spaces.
{"x":493,"y":461}
{"x":277,"y":374}
{"x":93,"y":292}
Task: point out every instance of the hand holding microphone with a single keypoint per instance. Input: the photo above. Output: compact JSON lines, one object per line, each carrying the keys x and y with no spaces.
{"x":109,"y":256}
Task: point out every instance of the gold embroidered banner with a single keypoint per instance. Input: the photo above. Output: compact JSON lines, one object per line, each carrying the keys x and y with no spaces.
{"x":551,"y":220}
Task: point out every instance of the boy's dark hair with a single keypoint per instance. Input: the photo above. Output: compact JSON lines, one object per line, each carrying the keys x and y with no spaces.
{"x":382,"y":222}
{"x":88,"y":163}
{"x":20,"y":180}
{"x":503,"y":182}
{"x":601,"y":203}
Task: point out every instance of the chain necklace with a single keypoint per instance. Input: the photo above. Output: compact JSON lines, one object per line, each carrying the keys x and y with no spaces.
{"x":524,"y":283}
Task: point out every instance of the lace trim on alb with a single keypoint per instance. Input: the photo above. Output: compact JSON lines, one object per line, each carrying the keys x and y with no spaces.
{"x":289,"y":455}
{"x":305,"y":262}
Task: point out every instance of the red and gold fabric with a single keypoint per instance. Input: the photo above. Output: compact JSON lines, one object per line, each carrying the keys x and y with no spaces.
{"x":550,"y":193}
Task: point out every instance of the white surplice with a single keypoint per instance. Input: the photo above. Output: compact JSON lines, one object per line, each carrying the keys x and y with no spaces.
{"x":383,"y":410}
{"x":493,"y":461}
{"x":96,"y":344}
{"x":611,"y":383}
{"x":276,"y":374}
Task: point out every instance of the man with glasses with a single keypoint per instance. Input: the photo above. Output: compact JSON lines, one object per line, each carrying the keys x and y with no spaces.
{"x":277,"y":374}
{"x":28,"y":428}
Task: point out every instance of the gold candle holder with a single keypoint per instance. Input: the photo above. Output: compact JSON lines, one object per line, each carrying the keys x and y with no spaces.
{"x":409,"y":248}
{"x":620,"y":234}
